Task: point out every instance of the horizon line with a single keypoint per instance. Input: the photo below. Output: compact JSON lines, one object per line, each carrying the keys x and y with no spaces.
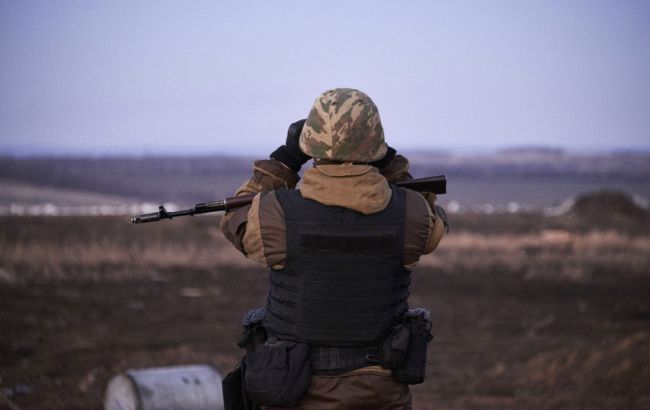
{"x":24,"y":152}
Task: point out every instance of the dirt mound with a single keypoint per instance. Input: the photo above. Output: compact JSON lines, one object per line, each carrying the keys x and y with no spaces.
{"x":609,"y":206}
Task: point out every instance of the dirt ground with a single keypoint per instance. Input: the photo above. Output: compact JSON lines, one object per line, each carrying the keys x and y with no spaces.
{"x":528,"y":313}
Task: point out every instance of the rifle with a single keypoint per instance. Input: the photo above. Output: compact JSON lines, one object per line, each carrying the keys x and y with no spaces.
{"x":436,"y":184}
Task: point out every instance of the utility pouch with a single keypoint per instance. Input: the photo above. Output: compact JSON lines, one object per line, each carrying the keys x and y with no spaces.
{"x":277,"y":372}
{"x":413,"y":368}
{"x":233,"y":391}
{"x":395,"y":347}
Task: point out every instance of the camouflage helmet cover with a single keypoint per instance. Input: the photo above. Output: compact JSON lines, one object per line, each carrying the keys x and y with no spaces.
{"x":343,"y":125}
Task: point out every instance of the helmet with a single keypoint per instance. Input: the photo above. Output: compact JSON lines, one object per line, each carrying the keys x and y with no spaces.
{"x":343,"y":125}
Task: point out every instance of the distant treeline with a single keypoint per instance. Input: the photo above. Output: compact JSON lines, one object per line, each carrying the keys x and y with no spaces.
{"x":179,"y":179}
{"x":630,"y":166}
{"x":195,"y":179}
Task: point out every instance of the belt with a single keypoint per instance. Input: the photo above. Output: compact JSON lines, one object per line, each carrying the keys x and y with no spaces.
{"x":336,"y":360}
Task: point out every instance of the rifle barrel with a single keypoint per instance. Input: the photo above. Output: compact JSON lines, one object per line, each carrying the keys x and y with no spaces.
{"x":436,"y":184}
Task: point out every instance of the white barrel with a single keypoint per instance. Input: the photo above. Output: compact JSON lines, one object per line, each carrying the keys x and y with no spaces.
{"x":195,"y":387}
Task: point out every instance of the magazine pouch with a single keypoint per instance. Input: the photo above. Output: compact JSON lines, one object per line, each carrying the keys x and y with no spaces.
{"x":278,"y":372}
{"x":395,"y":346}
{"x":413,"y":368}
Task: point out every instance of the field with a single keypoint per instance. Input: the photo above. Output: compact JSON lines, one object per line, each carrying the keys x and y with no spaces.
{"x":528,"y":311}
{"x":534,"y":178}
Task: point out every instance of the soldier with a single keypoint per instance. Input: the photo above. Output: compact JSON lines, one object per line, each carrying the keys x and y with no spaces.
{"x":340,"y":251}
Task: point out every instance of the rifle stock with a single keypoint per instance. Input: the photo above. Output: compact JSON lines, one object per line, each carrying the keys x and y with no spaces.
{"x":436,"y":184}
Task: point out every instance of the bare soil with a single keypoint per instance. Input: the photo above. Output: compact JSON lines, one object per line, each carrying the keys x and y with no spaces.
{"x":532,"y":314}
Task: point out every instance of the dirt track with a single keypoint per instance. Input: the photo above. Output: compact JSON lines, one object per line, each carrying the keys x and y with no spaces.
{"x":522,"y":323}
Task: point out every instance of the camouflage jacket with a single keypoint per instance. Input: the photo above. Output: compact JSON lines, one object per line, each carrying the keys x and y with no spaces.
{"x":258,"y":230}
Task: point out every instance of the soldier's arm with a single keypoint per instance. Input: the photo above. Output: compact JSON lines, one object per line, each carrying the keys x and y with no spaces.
{"x":396,"y":170}
{"x":268,"y":175}
{"x":426,"y":221}
{"x":258,"y":230}
{"x":438,"y":222}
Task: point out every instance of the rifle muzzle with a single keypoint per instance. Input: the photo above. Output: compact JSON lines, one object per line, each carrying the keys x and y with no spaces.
{"x":140,"y":219}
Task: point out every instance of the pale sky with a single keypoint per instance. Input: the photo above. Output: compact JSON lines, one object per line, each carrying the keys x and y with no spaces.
{"x":221,"y":76}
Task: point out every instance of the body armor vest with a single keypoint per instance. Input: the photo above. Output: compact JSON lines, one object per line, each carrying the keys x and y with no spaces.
{"x":344,"y":283}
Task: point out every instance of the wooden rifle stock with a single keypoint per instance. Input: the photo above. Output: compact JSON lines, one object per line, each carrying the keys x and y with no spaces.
{"x":436,"y":184}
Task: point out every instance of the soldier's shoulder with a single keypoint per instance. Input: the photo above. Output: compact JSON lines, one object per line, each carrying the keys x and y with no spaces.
{"x":415,"y":204}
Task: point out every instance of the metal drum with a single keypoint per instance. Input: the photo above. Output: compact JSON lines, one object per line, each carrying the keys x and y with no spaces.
{"x":166,"y":388}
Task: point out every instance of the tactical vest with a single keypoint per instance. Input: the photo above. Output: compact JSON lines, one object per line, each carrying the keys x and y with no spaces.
{"x":344,"y":283}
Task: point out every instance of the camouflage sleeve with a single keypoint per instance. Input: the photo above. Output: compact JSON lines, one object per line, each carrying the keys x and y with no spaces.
{"x":268,"y":174}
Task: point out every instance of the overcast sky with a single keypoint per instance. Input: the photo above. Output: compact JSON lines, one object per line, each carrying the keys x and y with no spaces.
{"x":211,"y":76}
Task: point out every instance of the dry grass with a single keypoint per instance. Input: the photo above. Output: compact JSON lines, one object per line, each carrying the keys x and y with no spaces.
{"x":47,"y":248}
{"x":551,"y":253}
{"x":529,"y":314}
{"x":111,"y":250}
